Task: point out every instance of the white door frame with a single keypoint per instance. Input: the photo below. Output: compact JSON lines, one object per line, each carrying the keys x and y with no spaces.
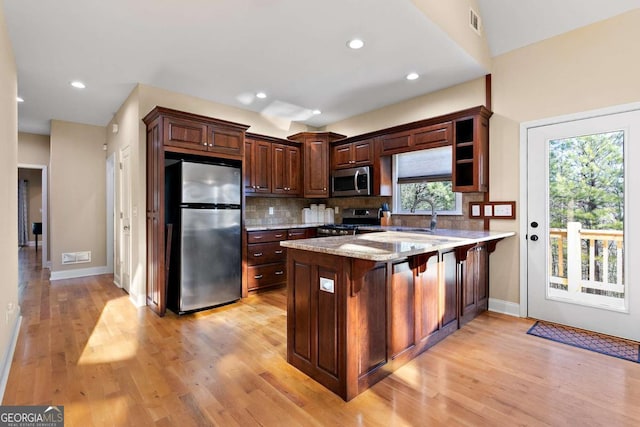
{"x":110,"y":204}
{"x":524,"y":128}
{"x":125,"y":220}
{"x":45,"y":209}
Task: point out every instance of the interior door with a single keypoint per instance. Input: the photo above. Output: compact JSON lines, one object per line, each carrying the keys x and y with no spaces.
{"x":125,"y":218}
{"x":582,"y":200}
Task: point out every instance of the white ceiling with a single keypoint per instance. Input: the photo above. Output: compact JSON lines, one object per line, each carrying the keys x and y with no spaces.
{"x":227,"y":50}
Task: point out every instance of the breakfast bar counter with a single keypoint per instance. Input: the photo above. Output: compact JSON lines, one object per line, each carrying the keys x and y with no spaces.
{"x":359,"y":307}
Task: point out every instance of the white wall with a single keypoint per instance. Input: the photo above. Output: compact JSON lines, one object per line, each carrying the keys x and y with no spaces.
{"x":9,"y":310}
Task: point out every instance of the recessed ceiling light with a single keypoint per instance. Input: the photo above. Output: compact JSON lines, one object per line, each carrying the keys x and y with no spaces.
{"x":78,"y":84}
{"x":19,"y":99}
{"x":412,"y":76}
{"x":355,"y":44}
{"x":261,"y":95}
{"x":316,"y":112}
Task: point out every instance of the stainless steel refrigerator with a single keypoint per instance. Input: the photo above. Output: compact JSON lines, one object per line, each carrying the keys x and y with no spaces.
{"x":203,"y":205}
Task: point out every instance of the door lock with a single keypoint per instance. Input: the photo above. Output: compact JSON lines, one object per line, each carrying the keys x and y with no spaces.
{"x":534,"y":238}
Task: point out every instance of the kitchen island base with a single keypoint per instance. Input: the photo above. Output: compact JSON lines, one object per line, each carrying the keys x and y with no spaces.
{"x":352,"y":321}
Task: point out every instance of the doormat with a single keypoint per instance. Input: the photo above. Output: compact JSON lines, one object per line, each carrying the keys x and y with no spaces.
{"x":605,"y":344}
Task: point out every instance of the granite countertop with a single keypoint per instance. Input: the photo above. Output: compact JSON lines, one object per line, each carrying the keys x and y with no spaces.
{"x":264,"y":227}
{"x":392,"y":245}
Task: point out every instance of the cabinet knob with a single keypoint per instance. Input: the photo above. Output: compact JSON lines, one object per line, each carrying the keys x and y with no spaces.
{"x":257,"y":254}
{"x":324,"y":189}
{"x":204,"y":143}
{"x":258,"y":276}
{"x":279,"y":273}
{"x":279,"y":252}
{"x":279,"y":236}
{"x":257,"y":186}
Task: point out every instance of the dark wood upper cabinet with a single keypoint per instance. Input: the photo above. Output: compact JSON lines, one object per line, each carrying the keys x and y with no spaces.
{"x":471,"y":152}
{"x":286,"y":169}
{"x":225,"y":140}
{"x":257,"y":166}
{"x":467,"y":131}
{"x":272,"y":166}
{"x":394,"y":143}
{"x":176,"y":133}
{"x":352,"y":154}
{"x":315,"y":166}
{"x":185,"y":133}
{"x":433,"y":136}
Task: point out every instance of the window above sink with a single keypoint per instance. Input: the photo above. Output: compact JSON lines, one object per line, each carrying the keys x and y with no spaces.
{"x":425,"y":176}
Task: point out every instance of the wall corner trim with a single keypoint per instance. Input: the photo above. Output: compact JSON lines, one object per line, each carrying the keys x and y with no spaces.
{"x":78,"y":272}
{"x":504,"y":307}
{"x":5,"y":368}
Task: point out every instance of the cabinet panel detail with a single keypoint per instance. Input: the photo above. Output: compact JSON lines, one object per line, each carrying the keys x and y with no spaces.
{"x":429,"y":292}
{"x":302,"y":312}
{"x":402,"y":303}
{"x":327,"y":325}
{"x":185,"y":133}
{"x":433,"y":136}
{"x":372,"y":303}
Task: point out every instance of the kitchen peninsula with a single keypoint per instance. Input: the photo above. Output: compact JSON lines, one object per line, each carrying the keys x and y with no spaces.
{"x":361,"y":306}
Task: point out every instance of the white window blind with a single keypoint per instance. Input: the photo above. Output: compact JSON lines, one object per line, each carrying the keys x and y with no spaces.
{"x":435,"y":162}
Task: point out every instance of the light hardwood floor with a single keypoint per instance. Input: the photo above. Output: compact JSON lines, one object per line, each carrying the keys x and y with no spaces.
{"x":83,"y":345}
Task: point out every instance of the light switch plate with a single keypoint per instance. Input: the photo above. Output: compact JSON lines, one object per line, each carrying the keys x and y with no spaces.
{"x":326,"y":285}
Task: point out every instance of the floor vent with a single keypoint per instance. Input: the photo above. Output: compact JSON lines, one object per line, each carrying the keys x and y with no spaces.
{"x":474,"y":21}
{"x":76,"y":257}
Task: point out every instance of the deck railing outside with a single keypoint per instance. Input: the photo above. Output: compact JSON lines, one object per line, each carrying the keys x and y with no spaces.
{"x":587,"y":265}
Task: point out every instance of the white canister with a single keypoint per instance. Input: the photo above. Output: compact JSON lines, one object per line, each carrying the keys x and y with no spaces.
{"x":329,"y":216}
{"x":306,"y":215}
{"x":314,"y":213}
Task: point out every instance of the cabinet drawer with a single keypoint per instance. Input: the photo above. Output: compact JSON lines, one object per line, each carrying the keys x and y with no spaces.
{"x":266,"y":236}
{"x":301,"y":233}
{"x":265,"y":253}
{"x":266,"y":275}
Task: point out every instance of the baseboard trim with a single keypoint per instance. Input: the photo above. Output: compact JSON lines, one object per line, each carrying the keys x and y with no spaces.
{"x":504,"y":307}
{"x":139,"y":301}
{"x":8,"y":356}
{"x":78,"y":272}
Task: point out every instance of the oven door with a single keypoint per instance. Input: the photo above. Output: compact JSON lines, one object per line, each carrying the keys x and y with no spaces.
{"x":351,"y":182}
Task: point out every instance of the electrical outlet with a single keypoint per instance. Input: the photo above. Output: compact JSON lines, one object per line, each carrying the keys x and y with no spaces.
{"x":326,"y":285}
{"x":270,"y":210}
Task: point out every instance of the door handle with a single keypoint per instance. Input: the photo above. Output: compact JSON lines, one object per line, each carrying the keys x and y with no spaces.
{"x":534,"y":238}
{"x":126,"y":228}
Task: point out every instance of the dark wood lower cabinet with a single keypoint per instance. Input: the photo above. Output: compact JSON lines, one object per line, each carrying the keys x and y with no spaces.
{"x":352,"y":322}
{"x":474,"y":283}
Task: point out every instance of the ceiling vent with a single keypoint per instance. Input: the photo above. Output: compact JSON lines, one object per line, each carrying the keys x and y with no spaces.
{"x":474,"y":21}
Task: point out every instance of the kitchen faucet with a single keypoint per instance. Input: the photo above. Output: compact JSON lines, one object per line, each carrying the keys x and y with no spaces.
{"x":434,"y":215}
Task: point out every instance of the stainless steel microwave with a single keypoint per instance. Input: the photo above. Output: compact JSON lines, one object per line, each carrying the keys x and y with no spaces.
{"x":351,"y":182}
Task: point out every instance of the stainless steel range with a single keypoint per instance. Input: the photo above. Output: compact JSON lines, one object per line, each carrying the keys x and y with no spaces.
{"x":352,"y":218}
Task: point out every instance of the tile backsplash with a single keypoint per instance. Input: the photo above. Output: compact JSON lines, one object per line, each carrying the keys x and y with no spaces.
{"x":289,"y":211}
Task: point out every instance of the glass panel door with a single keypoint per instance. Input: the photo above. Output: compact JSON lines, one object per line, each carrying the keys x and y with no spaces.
{"x":580,"y":196}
